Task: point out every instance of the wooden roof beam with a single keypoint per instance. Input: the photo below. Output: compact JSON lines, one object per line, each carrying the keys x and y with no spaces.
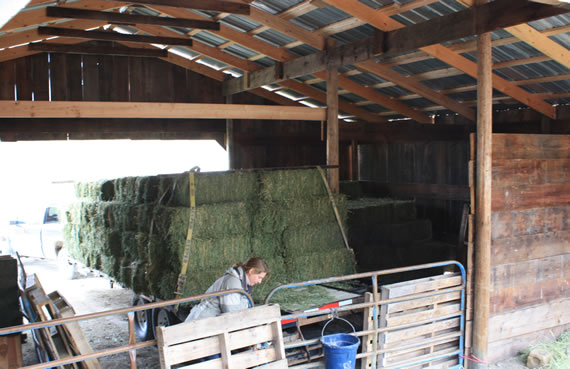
{"x":113,"y":36}
{"x":131,"y":19}
{"x":486,"y":18}
{"x":98,"y":109}
{"x":38,"y":16}
{"x":97,"y":50}
{"x":455,"y":59}
{"x":208,"y":5}
{"x":249,"y":67}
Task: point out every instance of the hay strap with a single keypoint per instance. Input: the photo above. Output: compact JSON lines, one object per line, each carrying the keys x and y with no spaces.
{"x":337,"y":215}
{"x":187,"y":244}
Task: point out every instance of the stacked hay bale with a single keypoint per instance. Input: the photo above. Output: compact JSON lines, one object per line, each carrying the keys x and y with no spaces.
{"x":386,"y":233}
{"x":134,"y":229}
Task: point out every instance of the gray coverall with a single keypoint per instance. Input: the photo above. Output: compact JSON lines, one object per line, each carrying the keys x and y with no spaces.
{"x":233,"y":278}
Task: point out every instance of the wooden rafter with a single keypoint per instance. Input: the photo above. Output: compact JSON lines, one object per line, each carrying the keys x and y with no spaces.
{"x":97,"y":50}
{"x":248,"y":66}
{"x":38,"y":16}
{"x":119,"y":18}
{"x":113,"y":36}
{"x":542,"y":43}
{"x":97,"y":109}
{"x":446,"y":55}
{"x":282,"y":55}
{"x":216,"y":6}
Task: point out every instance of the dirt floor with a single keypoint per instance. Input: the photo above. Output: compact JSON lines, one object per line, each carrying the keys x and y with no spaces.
{"x":90,"y":292}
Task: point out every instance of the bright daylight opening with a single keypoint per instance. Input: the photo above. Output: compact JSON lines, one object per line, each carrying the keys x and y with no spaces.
{"x":39,"y":174}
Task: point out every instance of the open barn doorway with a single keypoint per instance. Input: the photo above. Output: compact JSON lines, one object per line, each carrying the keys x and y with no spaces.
{"x":39,"y":175}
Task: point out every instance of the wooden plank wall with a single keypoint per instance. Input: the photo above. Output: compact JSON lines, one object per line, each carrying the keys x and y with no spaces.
{"x":68,"y":77}
{"x":432,"y":162}
{"x":530,"y":247}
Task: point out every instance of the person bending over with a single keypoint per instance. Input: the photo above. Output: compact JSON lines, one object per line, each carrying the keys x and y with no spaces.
{"x":239,"y":276}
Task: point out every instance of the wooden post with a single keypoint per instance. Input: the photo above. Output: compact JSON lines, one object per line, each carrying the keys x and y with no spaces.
{"x":353,"y":161}
{"x":230,"y":138}
{"x":483,"y":197}
{"x":332,"y":122}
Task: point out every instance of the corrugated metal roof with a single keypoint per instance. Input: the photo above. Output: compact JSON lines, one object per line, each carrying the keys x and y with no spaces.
{"x":274,"y":38}
{"x":320,"y":18}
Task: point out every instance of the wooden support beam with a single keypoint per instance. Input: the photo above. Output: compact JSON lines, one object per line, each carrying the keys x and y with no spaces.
{"x":542,"y":43}
{"x":113,"y":36}
{"x":131,"y":19}
{"x":252,"y":67}
{"x":282,"y":55}
{"x":483,"y":196}
{"x":445,"y":54}
{"x":97,"y":50}
{"x":489,"y":17}
{"x":332,"y":124}
{"x":209,"y":5}
{"x":418,"y":87}
{"x":95,"y":109}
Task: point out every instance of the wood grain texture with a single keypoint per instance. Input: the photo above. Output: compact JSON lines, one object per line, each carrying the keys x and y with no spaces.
{"x":531,"y":196}
{"x":531,"y":171}
{"x":528,"y":247}
{"x":530,"y":222}
{"x":515,"y":298}
{"x":528,"y":146}
{"x":506,"y":348}
{"x":529,"y":320}
{"x":527,"y":272}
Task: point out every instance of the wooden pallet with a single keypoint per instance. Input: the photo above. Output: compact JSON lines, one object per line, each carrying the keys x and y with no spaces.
{"x":63,"y":341}
{"x":72,"y":332}
{"x":225,"y":341}
{"x":420,"y":329}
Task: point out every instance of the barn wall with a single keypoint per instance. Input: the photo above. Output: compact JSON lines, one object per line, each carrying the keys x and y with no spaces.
{"x":530,"y":247}
{"x":435,"y":172}
{"x":69,"y":77}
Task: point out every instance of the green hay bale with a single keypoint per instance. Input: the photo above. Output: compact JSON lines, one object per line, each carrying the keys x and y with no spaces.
{"x":275,"y":217}
{"x":267,"y":246}
{"x":162,"y":268}
{"x":278,"y":185}
{"x":320,"y":265}
{"x":219,"y":252}
{"x":409,"y":232}
{"x":352,"y":189}
{"x":211,"y":221}
{"x":404,"y":210}
{"x":211,"y":188}
{"x":126,"y":189}
{"x":111,"y":266}
{"x":317,"y":238}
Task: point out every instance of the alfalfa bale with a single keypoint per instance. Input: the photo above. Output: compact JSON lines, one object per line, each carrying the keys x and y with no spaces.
{"x":211,"y":188}
{"x":276,"y":216}
{"x":216,"y":252}
{"x":321,"y":264}
{"x":211,"y":221}
{"x":277,"y":185}
{"x":309,"y":239}
{"x":404,"y":210}
{"x":267,"y":245}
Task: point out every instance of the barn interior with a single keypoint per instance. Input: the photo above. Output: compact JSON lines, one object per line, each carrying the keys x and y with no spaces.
{"x":443,"y":123}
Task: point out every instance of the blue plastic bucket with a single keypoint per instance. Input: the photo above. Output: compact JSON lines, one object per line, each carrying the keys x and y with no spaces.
{"x":340,"y":350}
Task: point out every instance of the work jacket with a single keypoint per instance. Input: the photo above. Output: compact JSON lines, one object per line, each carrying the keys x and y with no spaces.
{"x":233,"y":278}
